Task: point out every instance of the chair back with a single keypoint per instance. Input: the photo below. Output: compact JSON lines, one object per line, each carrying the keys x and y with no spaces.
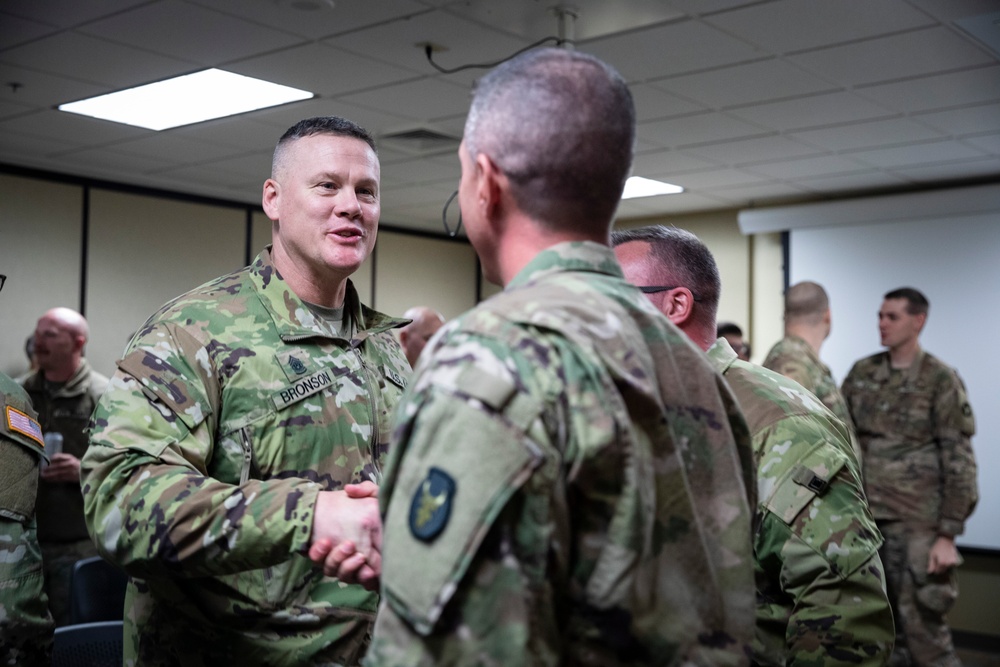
{"x":88,"y":645}
{"x":97,"y":591}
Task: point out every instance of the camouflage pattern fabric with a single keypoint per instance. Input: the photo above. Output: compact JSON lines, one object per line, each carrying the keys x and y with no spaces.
{"x":821,"y":596}
{"x":25,"y":624}
{"x":914,"y":426}
{"x":794,"y":358}
{"x":232,"y":408}
{"x":921,"y":600}
{"x":565,"y":486}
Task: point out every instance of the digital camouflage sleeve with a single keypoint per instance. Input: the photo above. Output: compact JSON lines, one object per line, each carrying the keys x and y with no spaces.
{"x":565,"y":486}
{"x":821,"y":598}
{"x":25,"y":623}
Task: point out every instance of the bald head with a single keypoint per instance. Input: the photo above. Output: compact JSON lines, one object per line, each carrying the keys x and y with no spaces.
{"x":60,"y":337}
{"x":414,"y":336}
{"x":806,"y":301}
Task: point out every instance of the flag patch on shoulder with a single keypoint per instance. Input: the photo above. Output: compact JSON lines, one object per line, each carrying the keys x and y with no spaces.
{"x":21,"y":423}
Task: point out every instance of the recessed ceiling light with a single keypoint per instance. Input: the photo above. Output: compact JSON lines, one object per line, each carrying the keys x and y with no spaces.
{"x":193,"y":98}
{"x":637,"y":186}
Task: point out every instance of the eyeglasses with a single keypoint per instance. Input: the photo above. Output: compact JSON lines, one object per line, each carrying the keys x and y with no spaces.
{"x":654,"y":289}
{"x":3,"y":279}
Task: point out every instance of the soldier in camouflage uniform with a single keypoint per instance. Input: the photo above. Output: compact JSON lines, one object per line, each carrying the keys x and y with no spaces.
{"x":239,"y":412}
{"x":821,"y":597}
{"x":25,"y":623}
{"x":564,"y":487}
{"x":64,"y":391}
{"x":914,"y":424}
{"x":807,"y":325}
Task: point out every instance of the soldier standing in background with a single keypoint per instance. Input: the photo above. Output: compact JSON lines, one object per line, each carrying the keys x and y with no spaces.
{"x":64,"y":390}
{"x":821,"y":597}
{"x":240,"y":412}
{"x":807,"y":325}
{"x":565,"y":488}
{"x":914,"y":424}
{"x":25,"y":622}
{"x":414,"y":336}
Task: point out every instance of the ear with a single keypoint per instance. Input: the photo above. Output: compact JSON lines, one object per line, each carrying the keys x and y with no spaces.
{"x":921,"y":321}
{"x":269,"y":198}
{"x":827,"y":318}
{"x":491,"y":183}
{"x":678,"y":305}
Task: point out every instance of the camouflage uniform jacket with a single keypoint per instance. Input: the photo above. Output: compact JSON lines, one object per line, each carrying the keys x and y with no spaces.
{"x":66,"y":411}
{"x":25,"y":624}
{"x":794,"y":358}
{"x":232,"y":408}
{"x":821,"y":596}
{"x":914,"y":426}
{"x":564,"y":486}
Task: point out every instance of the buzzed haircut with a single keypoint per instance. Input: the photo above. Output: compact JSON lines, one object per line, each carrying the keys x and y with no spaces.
{"x":561,"y":126}
{"x":308,"y":127}
{"x":916,"y":302}
{"x":686,"y":259}
{"x":806,"y":301}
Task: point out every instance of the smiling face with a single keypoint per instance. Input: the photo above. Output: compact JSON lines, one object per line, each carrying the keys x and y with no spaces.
{"x":324,"y":201}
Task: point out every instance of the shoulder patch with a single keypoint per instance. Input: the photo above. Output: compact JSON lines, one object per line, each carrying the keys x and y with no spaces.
{"x":393,"y":376}
{"x":431,"y":505}
{"x":19,"y":422}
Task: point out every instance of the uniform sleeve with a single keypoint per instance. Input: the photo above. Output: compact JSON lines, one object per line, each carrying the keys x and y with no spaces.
{"x":817,"y":547}
{"x":150,"y":505}
{"x":476,"y":553}
{"x":791,"y":367}
{"x":954,"y":425}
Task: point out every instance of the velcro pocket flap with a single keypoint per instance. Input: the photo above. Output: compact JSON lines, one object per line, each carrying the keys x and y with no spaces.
{"x":18,"y":480}
{"x":162,"y":381}
{"x":805,"y":480}
{"x":462,"y":465}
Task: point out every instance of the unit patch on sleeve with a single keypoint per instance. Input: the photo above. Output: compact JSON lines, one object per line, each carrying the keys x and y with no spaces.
{"x":431,"y":505}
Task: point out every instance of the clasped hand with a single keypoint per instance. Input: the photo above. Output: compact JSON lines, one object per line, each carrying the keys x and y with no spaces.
{"x":347,"y":534}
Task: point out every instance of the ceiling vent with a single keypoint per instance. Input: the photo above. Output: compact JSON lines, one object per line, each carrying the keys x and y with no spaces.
{"x":420,"y":141}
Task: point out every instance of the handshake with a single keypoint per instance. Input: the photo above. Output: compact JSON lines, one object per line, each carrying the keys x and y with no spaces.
{"x":347,"y":534}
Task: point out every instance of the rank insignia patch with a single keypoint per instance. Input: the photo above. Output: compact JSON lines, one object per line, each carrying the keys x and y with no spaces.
{"x":296,"y":365}
{"x":431,"y":505}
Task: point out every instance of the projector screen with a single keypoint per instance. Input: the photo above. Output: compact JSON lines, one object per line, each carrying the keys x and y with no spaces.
{"x":955,"y":262}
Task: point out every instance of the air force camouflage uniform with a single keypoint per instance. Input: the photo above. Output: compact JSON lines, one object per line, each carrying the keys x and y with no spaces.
{"x":821,"y":596}
{"x":794,"y":358}
{"x":25,"y":623}
{"x":564,"y":488}
{"x":233,"y":407}
{"x":914,"y":425}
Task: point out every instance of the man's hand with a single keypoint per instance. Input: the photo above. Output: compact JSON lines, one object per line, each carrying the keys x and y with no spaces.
{"x":943,"y":555}
{"x":347,"y":534}
{"x":62,"y":468}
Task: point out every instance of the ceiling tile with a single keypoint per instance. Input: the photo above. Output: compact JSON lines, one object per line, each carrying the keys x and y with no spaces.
{"x":664,"y":163}
{"x":321,"y":69}
{"x":423,"y":170}
{"x":812,"y":111}
{"x":917,"y":154}
{"x":869,"y":134}
{"x":72,"y":129}
{"x":950,"y":10}
{"x":751,"y":194}
{"x":666,"y":205}
{"x":793,"y":170}
{"x":744,"y":84}
{"x":697,"y":129}
{"x":936,"y":92}
{"x":916,"y":53}
{"x":239,"y":132}
{"x":857,"y":182}
{"x":9,"y":109}
{"x":40,"y":89}
{"x":674,"y":48}
{"x":970,"y":120}
{"x":651,"y":103}
{"x":717,"y":178}
{"x":344,"y":16}
{"x":28,"y":150}
{"x":67,"y":13}
{"x":817,"y":24}
{"x":112,"y":160}
{"x":752,"y":151}
{"x":283,"y":117}
{"x":88,"y":59}
{"x":189,"y":32}
{"x":15,"y":30}
{"x":425,"y":99}
{"x":176,"y":148}
{"x":955,"y":170}
{"x":987,"y":142}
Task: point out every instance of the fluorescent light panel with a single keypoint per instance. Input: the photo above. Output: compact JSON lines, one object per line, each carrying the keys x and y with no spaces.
{"x":193,"y":98}
{"x":637,"y":186}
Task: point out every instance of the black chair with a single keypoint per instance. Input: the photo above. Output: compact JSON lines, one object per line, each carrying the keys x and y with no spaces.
{"x":88,"y":645}
{"x":97,"y":591}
